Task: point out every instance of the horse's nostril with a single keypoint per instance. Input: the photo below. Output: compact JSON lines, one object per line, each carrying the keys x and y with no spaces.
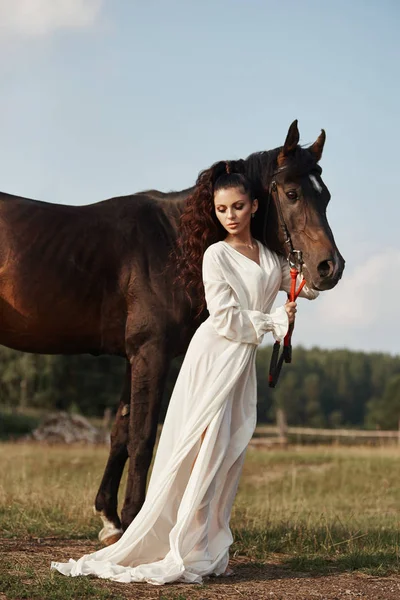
{"x":325,"y":268}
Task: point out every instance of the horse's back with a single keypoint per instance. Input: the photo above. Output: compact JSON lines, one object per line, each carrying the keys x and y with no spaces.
{"x":65,"y":270}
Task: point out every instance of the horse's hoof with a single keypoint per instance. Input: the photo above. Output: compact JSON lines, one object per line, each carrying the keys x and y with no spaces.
{"x":110,"y":533}
{"x":108,"y":541}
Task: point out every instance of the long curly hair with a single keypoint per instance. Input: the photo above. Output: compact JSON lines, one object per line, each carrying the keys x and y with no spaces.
{"x":199,"y":226}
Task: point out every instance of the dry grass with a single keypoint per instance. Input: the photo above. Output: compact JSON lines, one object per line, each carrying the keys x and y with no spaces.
{"x":49,"y":490}
{"x":319,"y":510}
{"x":321,"y":506}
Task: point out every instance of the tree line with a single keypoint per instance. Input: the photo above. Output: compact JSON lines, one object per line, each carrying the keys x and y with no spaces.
{"x":321,"y":388}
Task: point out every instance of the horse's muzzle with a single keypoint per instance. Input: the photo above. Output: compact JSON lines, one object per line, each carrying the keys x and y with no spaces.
{"x":329,"y":272}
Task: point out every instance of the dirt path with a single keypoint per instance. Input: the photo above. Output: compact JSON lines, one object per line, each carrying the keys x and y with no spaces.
{"x":251,"y":581}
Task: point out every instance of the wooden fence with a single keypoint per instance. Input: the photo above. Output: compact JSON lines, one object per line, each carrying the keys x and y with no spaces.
{"x":268,"y":435}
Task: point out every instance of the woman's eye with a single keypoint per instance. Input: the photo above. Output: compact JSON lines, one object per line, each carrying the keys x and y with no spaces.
{"x":292,"y":195}
{"x":222,"y":210}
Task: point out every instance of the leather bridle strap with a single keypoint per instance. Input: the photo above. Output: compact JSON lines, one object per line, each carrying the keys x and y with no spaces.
{"x":286,"y":355}
{"x":296,"y":262}
{"x":275,"y":195}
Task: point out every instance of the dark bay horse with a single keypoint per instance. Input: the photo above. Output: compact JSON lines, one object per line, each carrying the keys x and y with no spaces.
{"x":96,"y":279}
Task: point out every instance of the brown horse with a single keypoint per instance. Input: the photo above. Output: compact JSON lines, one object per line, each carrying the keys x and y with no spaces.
{"x":96,"y":279}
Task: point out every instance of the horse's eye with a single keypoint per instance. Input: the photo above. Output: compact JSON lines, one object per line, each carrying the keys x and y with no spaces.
{"x":292,"y":195}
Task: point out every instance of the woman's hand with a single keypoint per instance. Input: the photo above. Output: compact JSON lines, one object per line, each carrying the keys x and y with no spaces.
{"x":291,"y":309}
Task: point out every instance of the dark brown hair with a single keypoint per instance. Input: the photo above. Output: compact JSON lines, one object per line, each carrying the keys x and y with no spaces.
{"x":199,"y":226}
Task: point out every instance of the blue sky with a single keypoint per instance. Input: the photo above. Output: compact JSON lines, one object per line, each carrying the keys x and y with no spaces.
{"x":104,"y":98}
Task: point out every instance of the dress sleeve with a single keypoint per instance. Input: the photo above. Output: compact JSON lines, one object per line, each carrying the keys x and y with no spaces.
{"x":226,"y":314}
{"x":286,"y":282}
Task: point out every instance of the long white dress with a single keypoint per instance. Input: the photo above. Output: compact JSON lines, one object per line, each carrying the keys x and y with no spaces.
{"x":182,"y":532}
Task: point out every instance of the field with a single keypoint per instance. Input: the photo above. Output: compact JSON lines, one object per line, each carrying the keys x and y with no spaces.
{"x":308,"y":522}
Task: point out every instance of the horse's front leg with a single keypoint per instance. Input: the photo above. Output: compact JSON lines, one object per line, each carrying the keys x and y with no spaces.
{"x":107,"y":495}
{"x":149,"y":368}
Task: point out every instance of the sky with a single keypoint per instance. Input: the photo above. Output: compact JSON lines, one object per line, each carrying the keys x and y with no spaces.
{"x":100,"y":98}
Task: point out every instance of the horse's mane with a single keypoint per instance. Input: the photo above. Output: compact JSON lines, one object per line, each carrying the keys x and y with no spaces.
{"x":260,"y":167}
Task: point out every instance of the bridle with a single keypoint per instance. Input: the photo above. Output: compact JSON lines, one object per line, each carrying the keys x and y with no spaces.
{"x":295,"y":259}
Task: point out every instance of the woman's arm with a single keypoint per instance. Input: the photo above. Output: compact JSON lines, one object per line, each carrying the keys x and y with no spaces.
{"x":227,"y":316}
{"x":286,"y":282}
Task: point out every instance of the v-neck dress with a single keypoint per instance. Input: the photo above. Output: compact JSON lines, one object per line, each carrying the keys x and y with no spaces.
{"x":182,"y":531}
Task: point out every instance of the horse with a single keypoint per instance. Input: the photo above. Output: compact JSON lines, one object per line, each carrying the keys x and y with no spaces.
{"x":97,"y":279}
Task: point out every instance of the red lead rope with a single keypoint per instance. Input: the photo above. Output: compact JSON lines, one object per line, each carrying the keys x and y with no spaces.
{"x":276,"y":360}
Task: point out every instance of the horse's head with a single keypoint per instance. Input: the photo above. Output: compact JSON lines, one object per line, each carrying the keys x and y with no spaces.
{"x":298,"y":198}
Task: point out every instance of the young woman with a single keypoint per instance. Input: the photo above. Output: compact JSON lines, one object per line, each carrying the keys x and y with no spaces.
{"x":182,"y":532}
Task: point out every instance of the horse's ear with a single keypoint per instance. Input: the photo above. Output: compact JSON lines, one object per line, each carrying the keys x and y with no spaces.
{"x":292,"y":139}
{"x":318,"y":146}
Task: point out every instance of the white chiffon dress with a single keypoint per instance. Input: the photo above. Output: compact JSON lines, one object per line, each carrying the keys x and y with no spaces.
{"x":182,"y":531}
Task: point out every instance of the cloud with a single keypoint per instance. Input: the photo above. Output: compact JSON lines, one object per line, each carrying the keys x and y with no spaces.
{"x":33,"y":18}
{"x":366,"y":296}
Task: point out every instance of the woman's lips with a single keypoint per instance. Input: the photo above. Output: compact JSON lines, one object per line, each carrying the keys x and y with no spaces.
{"x":233,"y":225}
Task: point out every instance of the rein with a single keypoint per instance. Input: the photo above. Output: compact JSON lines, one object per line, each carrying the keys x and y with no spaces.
{"x":295,"y":259}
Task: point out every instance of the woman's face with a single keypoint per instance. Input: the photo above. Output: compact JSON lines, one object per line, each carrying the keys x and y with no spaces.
{"x":233,"y":208}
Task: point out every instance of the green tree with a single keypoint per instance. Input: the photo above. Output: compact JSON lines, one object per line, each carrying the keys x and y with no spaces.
{"x":384,"y":411}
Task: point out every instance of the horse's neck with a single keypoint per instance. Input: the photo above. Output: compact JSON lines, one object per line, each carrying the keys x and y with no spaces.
{"x":173,"y":204}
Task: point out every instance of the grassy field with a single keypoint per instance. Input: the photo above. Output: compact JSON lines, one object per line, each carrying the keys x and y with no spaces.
{"x":312,"y":510}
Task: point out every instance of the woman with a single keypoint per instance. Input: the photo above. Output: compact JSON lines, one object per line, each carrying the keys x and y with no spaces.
{"x":182,"y":531}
